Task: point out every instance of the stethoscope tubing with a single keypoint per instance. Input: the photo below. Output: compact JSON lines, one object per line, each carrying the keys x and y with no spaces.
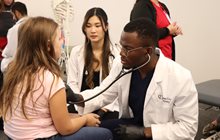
{"x":122,"y":73}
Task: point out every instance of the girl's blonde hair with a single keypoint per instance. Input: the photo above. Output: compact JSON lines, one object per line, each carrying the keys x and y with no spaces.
{"x":35,"y":36}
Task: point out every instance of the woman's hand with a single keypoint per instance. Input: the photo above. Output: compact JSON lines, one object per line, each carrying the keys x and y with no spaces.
{"x":174,"y":29}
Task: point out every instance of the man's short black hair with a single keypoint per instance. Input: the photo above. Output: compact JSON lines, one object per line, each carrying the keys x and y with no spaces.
{"x":145,"y":29}
{"x":20,"y":7}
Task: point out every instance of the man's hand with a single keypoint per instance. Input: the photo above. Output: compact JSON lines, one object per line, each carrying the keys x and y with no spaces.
{"x":130,"y":132}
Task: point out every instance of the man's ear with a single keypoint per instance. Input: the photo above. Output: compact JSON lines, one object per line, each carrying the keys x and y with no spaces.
{"x":17,"y":14}
{"x":149,"y":50}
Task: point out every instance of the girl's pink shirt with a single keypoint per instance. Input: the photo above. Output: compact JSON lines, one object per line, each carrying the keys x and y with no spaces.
{"x":39,"y":123}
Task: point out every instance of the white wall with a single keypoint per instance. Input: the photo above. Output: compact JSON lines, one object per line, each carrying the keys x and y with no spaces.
{"x":118,"y":15}
{"x":196,"y":50}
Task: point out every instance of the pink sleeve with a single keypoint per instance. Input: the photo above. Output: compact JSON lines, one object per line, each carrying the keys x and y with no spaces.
{"x":52,"y":84}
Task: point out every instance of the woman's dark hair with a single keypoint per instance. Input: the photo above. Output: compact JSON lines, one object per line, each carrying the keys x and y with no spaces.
{"x":100,"y":13}
{"x":137,"y":1}
{"x":4,"y":7}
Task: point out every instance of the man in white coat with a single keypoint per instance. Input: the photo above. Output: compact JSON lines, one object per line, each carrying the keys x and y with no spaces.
{"x":158,"y":101}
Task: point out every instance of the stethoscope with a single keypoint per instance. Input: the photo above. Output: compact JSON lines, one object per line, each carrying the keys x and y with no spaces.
{"x":122,"y":73}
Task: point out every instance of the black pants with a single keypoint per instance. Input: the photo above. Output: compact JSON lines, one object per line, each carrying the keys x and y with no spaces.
{"x":107,"y":115}
{"x":1,"y":76}
{"x":1,"y":124}
{"x":71,"y":109}
{"x":1,"y":83}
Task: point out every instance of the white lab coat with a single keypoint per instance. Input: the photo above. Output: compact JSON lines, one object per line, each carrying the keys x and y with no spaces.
{"x":76,"y":65}
{"x":171,"y":102}
{"x":11,"y":47}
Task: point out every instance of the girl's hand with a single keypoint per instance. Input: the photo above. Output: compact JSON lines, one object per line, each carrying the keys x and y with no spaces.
{"x":92,"y":119}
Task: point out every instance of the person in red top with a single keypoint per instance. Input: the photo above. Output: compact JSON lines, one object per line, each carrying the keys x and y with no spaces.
{"x":159,"y":14}
{"x":6,"y":22}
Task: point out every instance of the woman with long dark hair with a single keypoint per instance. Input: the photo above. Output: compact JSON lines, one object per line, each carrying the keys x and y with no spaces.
{"x":6,"y":22}
{"x":89,"y":64}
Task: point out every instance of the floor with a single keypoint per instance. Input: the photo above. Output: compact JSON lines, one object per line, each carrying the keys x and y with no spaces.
{"x":206,"y":114}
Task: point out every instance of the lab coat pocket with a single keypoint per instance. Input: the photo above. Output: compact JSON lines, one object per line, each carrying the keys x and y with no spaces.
{"x":162,"y":107}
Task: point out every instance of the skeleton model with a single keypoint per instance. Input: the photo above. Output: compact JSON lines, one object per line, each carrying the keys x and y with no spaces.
{"x":63,"y":12}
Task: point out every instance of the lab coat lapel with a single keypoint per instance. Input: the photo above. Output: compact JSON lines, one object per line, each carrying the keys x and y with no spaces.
{"x":158,"y":76}
{"x":81,"y":62}
{"x":125,"y":88}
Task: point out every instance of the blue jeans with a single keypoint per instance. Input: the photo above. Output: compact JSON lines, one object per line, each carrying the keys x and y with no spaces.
{"x":87,"y":133}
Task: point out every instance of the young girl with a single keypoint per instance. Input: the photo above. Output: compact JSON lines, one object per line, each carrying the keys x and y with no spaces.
{"x":90,"y":63}
{"x":33,"y":98}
